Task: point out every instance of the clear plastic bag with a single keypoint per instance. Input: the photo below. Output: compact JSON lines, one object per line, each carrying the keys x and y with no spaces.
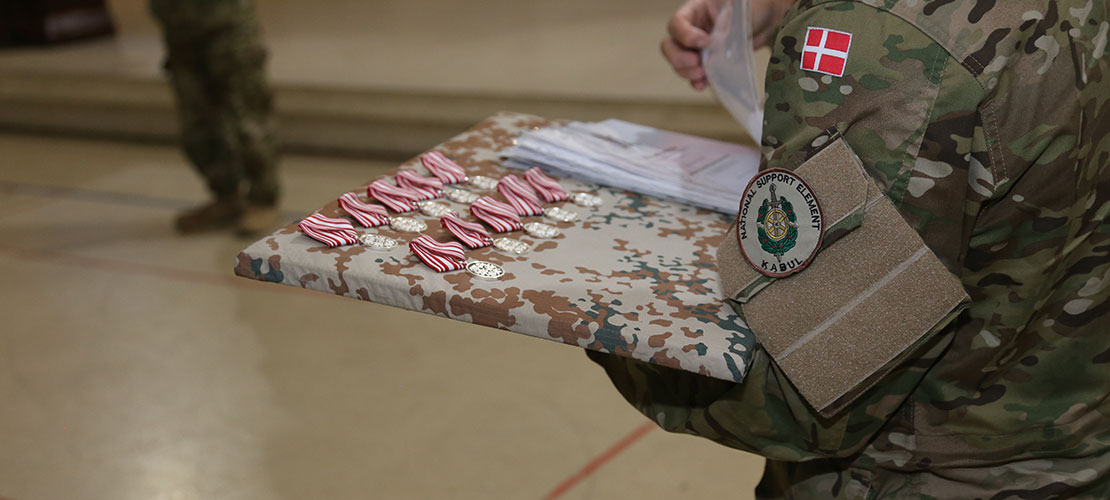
{"x":729,"y":64}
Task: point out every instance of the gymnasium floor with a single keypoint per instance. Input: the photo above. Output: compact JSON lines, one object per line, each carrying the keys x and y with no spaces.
{"x":135,"y":366}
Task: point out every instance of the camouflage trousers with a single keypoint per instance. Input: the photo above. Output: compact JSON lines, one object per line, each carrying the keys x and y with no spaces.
{"x":1051,"y":478}
{"x":216,"y":64}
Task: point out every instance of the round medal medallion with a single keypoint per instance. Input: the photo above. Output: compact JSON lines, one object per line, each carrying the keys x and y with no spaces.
{"x":482,"y":182}
{"x":484,"y":270}
{"x":586,"y":199}
{"x":433,"y":208}
{"x":459,"y":195}
{"x":780,"y":224}
{"x":509,"y":245}
{"x":541,"y":230}
{"x":560,"y":214}
{"x":407,"y":224}
{"x":377,"y":241}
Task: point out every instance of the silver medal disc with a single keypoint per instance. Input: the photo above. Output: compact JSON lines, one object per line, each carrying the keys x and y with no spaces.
{"x":434,"y":208}
{"x":377,"y":241}
{"x":459,"y":195}
{"x":586,"y":199}
{"x":482,"y":182}
{"x":541,"y":230}
{"x":407,"y":224}
{"x":484,"y":270}
{"x":509,"y":245}
{"x":560,"y":214}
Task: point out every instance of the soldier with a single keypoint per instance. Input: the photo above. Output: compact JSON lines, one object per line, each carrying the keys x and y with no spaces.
{"x":986,"y":125}
{"x":216,"y":62}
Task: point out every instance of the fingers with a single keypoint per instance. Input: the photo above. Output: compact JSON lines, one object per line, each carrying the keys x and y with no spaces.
{"x":687,"y":63}
{"x":688,"y":33}
{"x":690,"y":26}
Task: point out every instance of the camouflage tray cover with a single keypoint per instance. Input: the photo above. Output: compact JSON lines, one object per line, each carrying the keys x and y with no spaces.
{"x":634,"y":277}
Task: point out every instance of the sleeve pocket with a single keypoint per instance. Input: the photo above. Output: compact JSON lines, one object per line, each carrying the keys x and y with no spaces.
{"x":873,"y":292}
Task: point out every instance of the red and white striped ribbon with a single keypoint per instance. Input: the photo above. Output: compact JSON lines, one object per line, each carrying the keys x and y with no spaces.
{"x":329,"y":231}
{"x":499,"y":216}
{"x":367,"y":214}
{"x":429,"y":188}
{"x":442,"y":257}
{"x":549,"y":188}
{"x":443,"y":168}
{"x":398,"y":199}
{"x":473,"y":234}
{"x":520,"y":195}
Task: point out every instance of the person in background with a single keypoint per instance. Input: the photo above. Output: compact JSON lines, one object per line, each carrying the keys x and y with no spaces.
{"x":986,"y":126}
{"x":217,"y":66}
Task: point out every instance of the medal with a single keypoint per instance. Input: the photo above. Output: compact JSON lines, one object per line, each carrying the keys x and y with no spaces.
{"x":473,"y":234}
{"x":541,"y":230}
{"x":484,"y":270}
{"x":407,"y":224}
{"x":427,"y":188}
{"x":521,"y":196}
{"x":509,"y":245}
{"x":560,"y":214}
{"x":482,"y":182}
{"x":434,"y":208}
{"x":499,"y":216}
{"x":586,"y":199}
{"x":548,"y":188}
{"x":396,"y":198}
{"x":367,"y":214}
{"x":441,"y":257}
{"x":459,"y":195}
{"x":443,"y":168}
{"x":329,"y":231}
{"x":377,"y":241}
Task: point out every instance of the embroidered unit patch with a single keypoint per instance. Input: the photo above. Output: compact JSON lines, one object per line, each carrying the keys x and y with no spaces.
{"x":780,"y":224}
{"x":826,"y":51}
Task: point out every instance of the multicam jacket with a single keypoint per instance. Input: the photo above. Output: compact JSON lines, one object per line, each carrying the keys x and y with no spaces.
{"x":987,"y":124}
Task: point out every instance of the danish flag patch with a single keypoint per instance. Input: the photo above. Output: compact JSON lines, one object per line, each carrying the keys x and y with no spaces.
{"x":826,"y":51}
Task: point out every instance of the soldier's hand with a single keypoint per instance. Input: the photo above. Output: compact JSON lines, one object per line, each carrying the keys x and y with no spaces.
{"x":688,"y":33}
{"x":689,"y":28}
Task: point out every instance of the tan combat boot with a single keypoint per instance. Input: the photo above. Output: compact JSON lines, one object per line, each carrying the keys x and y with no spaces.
{"x":257,"y":219}
{"x":217,"y":214}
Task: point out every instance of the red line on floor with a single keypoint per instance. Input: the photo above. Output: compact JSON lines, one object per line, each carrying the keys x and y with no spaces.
{"x":601,"y":460}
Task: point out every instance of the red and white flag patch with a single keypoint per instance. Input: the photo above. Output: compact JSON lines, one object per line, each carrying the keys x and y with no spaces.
{"x":826,"y":51}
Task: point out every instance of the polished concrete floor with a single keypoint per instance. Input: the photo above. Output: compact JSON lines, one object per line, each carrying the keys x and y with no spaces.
{"x":566,"y":48}
{"x":133,"y":365}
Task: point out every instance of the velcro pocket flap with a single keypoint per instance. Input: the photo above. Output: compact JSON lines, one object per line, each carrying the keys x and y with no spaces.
{"x":862,"y":304}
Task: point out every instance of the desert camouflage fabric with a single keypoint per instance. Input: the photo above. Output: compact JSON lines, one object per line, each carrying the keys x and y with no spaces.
{"x":634,"y":277}
{"x":987,"y":124}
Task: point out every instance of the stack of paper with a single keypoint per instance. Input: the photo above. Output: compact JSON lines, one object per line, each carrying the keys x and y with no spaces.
{"x":701,"y":172}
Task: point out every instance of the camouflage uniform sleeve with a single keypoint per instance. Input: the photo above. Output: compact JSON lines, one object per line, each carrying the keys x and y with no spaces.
{"x":908,"y":109}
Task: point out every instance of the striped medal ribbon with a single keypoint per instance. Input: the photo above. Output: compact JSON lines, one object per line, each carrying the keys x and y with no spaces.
{"x":329,"y":231}
{"x":443,"y":168}
{"x":520,"y":195}
{"x":398,"y":199}
{"x":367,"y":214}
{"x":429,"y":188}
{"x":473,"y":234}
{"x":549,"y":188}
{"x":440,"y":256}
{"x":499,"y":216}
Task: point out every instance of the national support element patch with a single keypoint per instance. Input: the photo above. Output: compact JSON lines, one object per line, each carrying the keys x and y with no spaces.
{"x":826,"y":51}
{"x":780,"y":225}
